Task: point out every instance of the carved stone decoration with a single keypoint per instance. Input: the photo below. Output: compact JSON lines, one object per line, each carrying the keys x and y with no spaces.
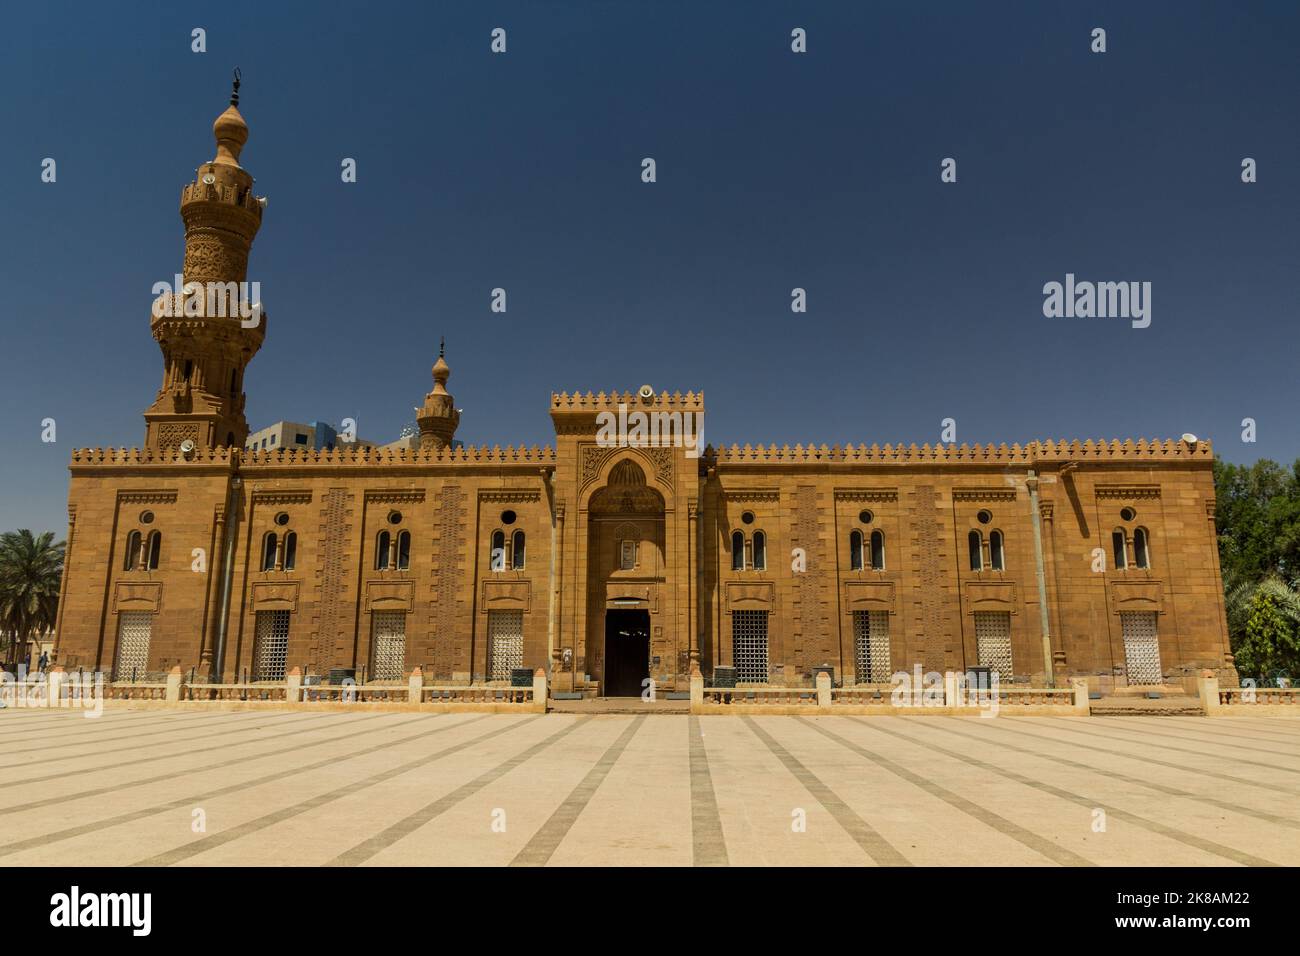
{"x":813,"y":639}
{"x":448,"y":646}
{"x":208,"y":259}
{"x":593,"y":460}
{"x":662,"y":457}
{"x":333,"y":622}
{"x":1129,"y":492}
{"x":927,"y":537}
{"x":171,"y":434}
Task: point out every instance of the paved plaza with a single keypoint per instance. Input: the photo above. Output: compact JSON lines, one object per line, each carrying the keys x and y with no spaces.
{"x":166,"y":787}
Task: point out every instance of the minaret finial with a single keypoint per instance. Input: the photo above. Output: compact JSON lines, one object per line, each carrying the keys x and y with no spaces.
{"x":442,"y":344}
{"x":234,"y":93}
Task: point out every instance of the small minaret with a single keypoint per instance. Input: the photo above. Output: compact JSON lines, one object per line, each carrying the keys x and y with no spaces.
{"x":205,"y":352}
{"x":438,"y":416}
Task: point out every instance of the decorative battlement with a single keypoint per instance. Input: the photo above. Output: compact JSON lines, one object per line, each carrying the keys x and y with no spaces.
{"x":148,"y":456}
{"x":1063,"y":451}
{"x":229,"y":194}
{"x":466,"y":454}
{"x":602,"y":401}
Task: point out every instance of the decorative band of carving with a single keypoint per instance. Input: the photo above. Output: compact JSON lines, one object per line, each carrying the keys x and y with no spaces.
{"x":1128,"y":491}
{"x":752,"y":494}
{"x":984,"y":494}
{"x":509,"y":494}
{"x":281,"y":497}
{"x":866,"y":494}
{"x":395,"y":495}
{"x":159,"y":496}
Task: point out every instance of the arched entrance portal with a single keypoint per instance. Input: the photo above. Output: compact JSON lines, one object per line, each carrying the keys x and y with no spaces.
{"x":625,"y":571}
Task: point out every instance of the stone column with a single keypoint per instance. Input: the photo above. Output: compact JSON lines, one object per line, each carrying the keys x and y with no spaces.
{"x":1207,"y":687}
{"x":539,"y":690}
{"x":174,"y":685}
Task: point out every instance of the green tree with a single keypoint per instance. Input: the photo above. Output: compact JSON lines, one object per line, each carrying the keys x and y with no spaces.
{"x":1270,"y":634}
{"x":31,"y":570}
{"x":1258,"y":516}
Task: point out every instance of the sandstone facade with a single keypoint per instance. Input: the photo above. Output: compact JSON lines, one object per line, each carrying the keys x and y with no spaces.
{"x":608,"y":563}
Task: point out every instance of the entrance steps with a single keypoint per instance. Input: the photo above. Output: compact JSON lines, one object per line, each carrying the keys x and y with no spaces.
{"x":1179,"y":705}
{"x":619,"y":705}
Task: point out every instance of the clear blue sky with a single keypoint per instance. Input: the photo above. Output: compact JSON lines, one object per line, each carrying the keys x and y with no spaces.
{"x":775,"y":170}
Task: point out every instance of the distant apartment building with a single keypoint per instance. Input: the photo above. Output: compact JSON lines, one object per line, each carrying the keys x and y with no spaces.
{"x":315,"y":436}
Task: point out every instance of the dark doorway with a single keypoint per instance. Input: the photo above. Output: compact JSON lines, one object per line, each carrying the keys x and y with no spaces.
{"x":627,"y":652}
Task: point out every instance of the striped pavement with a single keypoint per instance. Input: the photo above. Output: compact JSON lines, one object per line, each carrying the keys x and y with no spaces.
{"x":170,"y":788}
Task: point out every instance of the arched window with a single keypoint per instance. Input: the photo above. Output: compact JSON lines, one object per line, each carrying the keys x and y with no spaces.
{"x":403,"y":550}
{"x":290,"y":550}
{"x":189,"y":369}
{"x":997,"y":560}
{"x":737,"y":551}
{"x":268,"y":551}
{"x":517,"y":551}
{"x":975,"y":544}
{"x":855,"y":551}
{"x":234,"y":381}
{"x":877,"y":551}
{"x":132,"y":550}
{"x":1141,"y":548}
{"x":760,"y":551}
{"x":155,"y":549}
{"x":498,"y":556}
{"x":382,"y":545}
{"x":1117,"y":547}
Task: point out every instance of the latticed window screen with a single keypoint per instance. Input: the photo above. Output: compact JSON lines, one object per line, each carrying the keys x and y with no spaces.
{"x":1141,"y":646}
{"x":388,"y":649}
{"x":749,"y":646}
{"x":871,"y":640}
{"x":272,"y":645}
{"x":505,"y":643}
{"x":993,"y":641}
{"x":133,"y":631}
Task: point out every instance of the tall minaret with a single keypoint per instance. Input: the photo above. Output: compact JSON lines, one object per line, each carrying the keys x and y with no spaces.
{"x":206,"y":343}
{"x":438,"y":417}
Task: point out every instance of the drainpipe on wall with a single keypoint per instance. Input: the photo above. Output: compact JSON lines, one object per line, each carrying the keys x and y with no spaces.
{"x":227,"y":574}
{"x":1031,"y":482}
{"x":548,"y":479}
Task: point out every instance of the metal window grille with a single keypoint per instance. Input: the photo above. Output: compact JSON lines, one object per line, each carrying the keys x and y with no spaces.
{"x":1141,"y":646}
{"x":388,"y":649}
{"x":272,"y":645}
{"x":134,"y":629}
{"x":871,"y":638}
{"x":993,"y":641}
{"x":749,"y":646}
{"x":505,"y":643}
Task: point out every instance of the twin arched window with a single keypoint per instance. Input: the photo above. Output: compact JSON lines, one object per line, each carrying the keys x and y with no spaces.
{"x":1141,"y":549}
{"x":995,"y":557}
{"x":143,"y":553}
{"x":279,"y":553}
{"x":502,"y":557}
{"x":750,"y":553}
{"x":867,"y":552}
{"x":393,"y":553}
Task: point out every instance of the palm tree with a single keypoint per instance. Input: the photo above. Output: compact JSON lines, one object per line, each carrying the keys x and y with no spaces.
{"x":1244,"y":597}
{"x":31,"y":570}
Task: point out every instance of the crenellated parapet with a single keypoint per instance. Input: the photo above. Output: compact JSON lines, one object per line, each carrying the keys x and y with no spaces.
{"x":1028,"y":455}
{"x":609,"y":401}
{"x":369,"y":456}
{"x":221,"y":456}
